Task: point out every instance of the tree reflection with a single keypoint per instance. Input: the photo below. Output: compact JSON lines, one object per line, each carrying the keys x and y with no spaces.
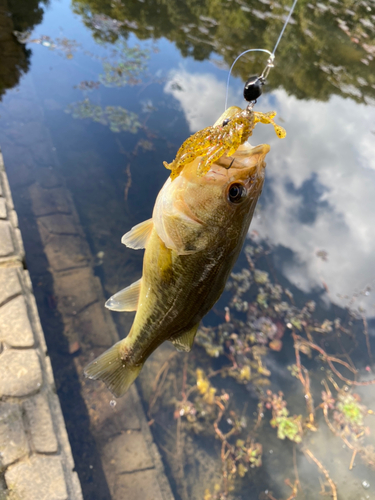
{"x":21,"y":16}
{"x":327,"y":50}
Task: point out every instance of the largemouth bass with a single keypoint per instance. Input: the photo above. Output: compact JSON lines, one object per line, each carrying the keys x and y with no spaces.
{"x":192,"y":241}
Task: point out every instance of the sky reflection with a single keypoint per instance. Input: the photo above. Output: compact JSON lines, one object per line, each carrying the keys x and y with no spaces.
{"x":321,"y":183}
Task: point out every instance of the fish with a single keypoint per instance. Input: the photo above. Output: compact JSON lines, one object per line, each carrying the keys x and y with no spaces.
{"x":192,"y":241}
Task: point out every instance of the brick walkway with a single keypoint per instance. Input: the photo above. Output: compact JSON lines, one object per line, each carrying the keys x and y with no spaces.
{"x":35,"y":457}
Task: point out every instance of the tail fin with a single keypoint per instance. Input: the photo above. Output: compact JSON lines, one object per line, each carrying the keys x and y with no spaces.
{"x":117,"y":374}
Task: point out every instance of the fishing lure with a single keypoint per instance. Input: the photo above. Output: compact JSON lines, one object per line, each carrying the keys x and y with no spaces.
{"x":224,"y":138}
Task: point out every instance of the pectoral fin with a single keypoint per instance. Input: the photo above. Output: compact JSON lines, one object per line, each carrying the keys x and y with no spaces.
{"x":126,"y":299}
{"x":185,"y":341}
{"x":138,"y":236}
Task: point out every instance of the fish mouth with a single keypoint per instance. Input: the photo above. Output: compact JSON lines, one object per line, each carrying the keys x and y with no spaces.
{"x":246,"y":157}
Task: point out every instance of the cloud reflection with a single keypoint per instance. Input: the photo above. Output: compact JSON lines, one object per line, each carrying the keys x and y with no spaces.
{"x":320,"y":192}
{"x":201,"y":97}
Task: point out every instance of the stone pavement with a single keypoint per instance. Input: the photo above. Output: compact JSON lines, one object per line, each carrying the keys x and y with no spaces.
{"x":35,"y":457}
{"x":130,"y":460}
{"x":126,"y":464}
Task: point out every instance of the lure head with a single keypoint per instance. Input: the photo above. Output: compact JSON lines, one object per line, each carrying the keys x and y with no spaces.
{"x":248,"y":118}
{"x":234,"y":127}
{"x":227,"y":116}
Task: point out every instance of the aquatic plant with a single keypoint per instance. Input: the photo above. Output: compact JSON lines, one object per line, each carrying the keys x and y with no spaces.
{"x":87,"y":86}
{"x":122,"y":120}
{"x":259,"y":317}
{"x":63,"y":46}
{"x":287,"y":426}
{"x":125,"y":66}
{"x":86,"y":109}
{"x":117,"y":118}
{"x":203,"y":404}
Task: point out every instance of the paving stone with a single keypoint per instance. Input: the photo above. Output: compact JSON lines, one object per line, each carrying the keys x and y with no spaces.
{"x":20,"y":247}
{"x":59,"y":224}
{"x":18,"y":155}
{"x":3,"y":209}
{"x":75,"y":290}
{"x":47,"y":178}
{"x":6,"y":243}
{"x":112,"y":421}
{"x":24,"y":373}
{"x":6,"y":189}
{"x":34,"y":316}
{"x":66,"y":252}
{"x":136,"y":486}
{"x":15,"y":328}
{"x":21,"y":176}
{"x":42,"y":153}
{"x":49,"y":201}
{"x":128,"y":451}
{"x":9,"y":284}
{"x":13,"y":218}
{"x":40,"y":422}
{"x":13,"y":442}
{"x":92,"y":326}
{"x":29,"y":134}
{"x":20,"y":372}
{"x":39,"y":478}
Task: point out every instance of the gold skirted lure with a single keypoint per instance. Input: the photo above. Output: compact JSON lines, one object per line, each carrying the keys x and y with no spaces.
{"x":221,"y":139}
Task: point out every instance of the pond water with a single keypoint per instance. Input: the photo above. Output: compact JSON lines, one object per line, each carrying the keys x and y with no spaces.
{"x":118,"y":86}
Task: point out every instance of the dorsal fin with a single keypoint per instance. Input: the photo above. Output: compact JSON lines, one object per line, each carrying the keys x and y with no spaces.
{"x":138,"y":236}
{"x":185,"y":341}
{"x":126,"y":299}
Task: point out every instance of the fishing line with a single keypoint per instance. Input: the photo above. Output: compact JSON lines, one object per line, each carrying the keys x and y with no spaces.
{"x":230,"y":71}
{"x":271,"y":59}
{"x":285,"y":25}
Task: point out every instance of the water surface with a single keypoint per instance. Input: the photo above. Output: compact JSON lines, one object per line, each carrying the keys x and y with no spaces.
{"x":119,"y":86}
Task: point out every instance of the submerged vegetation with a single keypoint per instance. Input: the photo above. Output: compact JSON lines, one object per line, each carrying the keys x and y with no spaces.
{"x":117,"y":118}
{"x":125,"y":66}
{"x":122,"y":66}
{"x":263,"y":321}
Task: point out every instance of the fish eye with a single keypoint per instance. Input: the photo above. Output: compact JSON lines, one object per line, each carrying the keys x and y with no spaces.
{"x":237,"y":193}
{"x":225,"y":122}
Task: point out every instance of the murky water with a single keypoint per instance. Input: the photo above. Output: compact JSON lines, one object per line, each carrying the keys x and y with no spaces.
{"x":117,"y":87}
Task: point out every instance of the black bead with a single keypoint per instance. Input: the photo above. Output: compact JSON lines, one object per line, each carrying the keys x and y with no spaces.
{"x":253,"y":88}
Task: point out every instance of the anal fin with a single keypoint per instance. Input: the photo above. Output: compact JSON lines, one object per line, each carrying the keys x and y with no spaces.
{"x":138,"y":236}
{"x":185,"y":341}
{"x":126,"y":299}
